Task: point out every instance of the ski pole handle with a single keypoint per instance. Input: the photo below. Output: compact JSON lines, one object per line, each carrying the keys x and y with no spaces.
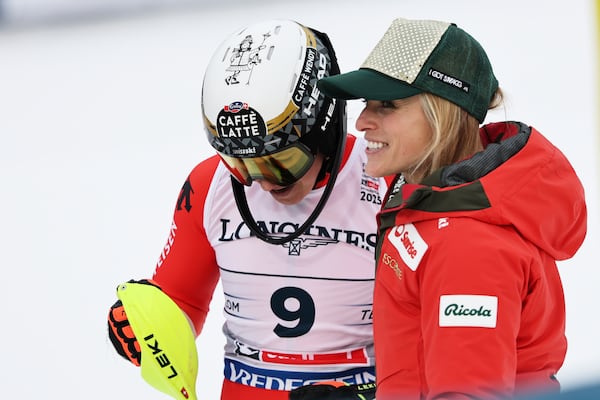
{"x":168,"y":346}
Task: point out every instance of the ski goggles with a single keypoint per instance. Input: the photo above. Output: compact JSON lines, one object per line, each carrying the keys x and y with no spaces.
{"x":282,"y":168}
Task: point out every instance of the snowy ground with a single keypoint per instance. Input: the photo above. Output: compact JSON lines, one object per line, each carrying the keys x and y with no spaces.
{"x":100,"y":124}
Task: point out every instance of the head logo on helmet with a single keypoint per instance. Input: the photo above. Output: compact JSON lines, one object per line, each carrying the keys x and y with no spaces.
{"x":262,"y":109}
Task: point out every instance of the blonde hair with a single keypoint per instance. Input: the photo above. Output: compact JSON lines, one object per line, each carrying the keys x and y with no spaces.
{"x":455,"y":134}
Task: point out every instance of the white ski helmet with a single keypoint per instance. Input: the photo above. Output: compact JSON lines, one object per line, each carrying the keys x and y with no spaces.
{"x":263,"y":112}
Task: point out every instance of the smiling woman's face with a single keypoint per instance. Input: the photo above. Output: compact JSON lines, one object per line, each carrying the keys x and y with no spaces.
{"x":397,"y":134}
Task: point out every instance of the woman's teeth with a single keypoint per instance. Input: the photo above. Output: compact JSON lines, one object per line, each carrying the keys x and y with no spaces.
{"x":375,"y":145}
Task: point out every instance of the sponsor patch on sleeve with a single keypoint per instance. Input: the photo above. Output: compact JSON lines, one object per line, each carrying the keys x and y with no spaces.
{"x":468,"y":310}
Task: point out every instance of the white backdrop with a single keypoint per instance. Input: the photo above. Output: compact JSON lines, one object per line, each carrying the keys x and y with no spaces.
{"x":100,"y":124}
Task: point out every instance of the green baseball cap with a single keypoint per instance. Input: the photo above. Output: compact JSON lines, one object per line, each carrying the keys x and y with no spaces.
{"x":416,"y":56}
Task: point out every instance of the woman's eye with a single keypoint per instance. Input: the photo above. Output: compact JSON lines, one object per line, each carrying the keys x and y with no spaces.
{"x":379,"y":103}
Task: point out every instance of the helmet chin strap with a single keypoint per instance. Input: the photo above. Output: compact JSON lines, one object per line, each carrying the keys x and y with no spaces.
{"x":241,"y":201}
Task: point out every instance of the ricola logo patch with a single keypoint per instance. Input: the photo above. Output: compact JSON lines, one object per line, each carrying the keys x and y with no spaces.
{"x":468,"y":310}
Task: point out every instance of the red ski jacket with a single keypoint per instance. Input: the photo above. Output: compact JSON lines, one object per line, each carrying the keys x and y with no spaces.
{"x":468,"y":299}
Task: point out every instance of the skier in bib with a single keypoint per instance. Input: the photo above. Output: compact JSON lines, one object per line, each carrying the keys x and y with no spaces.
{"x":294,"y":252}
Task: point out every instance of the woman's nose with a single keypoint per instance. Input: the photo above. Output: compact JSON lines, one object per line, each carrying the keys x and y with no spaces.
{"x":364,"y":120}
